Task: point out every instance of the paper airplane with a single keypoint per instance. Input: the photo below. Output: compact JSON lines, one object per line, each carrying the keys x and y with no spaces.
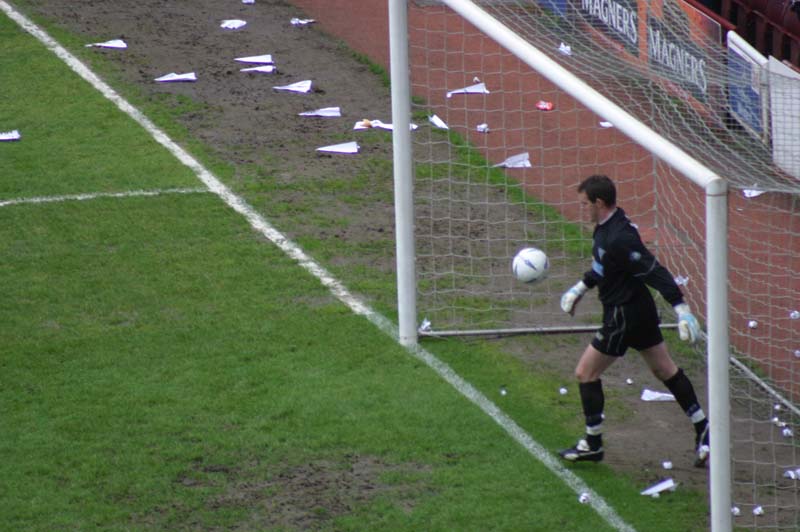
{"x":606,"y":125}
{"x":233,"y":24}
{"x":248,"y":1}
{"x":565,"y":49}
{"x":10,"y":135}
{"x":114,"y":43}
{"x":664,"y":485}
{"x":438,"y":122}
{"x":425,"y":326}
{"x":265,"y":59}
{"x":172,"y":76}
{"x":521,"y":160}
{"x":478,"y":88}
{"x":300,"y":86}
{"x":650,"y":395}
{"x":482,"y":128}
{"x":792,"y":473}
{"x":346,"y":147}
{"x":778,"y":423}
{"x":302,"y":21}
{"x":752,"y":192}
{"x":367,"y":124}
{"x":267,"y":69}
{"x":325,"y":112}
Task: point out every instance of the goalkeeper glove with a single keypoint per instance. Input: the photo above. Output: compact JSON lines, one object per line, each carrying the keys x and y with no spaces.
{"x":688,"y":326}
{"x":572,"y":296}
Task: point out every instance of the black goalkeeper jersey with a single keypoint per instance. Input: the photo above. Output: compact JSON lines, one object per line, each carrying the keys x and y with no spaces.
{"x":622,"y":266}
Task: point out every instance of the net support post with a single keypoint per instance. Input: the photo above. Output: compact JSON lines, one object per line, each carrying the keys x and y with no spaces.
{"x":403,"y":172}
{"x":718,"y":353}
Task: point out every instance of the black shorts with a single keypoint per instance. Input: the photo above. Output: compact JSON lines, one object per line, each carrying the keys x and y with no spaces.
{"x":633,"y":324}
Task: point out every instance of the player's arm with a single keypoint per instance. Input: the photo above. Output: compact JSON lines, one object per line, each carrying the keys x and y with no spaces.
{"x":637,"y":260}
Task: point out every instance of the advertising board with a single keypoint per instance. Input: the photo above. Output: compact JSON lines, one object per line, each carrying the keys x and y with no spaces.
{"x":746,"y":96}
{"x":669,"y":38}
{"x":556,"y":6}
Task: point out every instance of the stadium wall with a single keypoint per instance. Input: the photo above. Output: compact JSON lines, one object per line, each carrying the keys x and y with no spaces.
{"x":364,"y":27}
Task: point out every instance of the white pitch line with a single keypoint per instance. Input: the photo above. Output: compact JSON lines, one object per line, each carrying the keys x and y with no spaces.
{"x":95,"y":195}
{"x":337,"y":288}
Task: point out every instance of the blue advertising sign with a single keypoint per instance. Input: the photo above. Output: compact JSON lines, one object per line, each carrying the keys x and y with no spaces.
{"x":557,"y":6}
{"x":743,"y":96}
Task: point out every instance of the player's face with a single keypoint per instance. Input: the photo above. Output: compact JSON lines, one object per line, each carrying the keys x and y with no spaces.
{"x":588,"y":206}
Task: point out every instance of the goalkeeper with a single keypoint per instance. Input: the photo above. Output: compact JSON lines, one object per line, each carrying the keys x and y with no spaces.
{"x":622,"y":268}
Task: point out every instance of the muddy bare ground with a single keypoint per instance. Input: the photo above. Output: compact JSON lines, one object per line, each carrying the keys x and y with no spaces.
{"x":302,"y":497}
{"x":245,"y":122}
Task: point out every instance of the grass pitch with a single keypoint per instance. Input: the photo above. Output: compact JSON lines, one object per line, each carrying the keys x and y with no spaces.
{"x":165,"y":368}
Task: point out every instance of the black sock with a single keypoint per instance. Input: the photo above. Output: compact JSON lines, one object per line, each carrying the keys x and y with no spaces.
{"x":593,"y":402}
{"x":681,"y":387}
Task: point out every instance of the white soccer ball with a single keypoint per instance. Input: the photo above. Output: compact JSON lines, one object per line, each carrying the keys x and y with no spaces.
{"x":530,"y":265}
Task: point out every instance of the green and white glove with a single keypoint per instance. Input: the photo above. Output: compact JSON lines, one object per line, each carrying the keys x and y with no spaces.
{"x":571,"y":297}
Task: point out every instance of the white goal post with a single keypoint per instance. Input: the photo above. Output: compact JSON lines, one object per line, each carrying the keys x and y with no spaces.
{"x":716,"y":209}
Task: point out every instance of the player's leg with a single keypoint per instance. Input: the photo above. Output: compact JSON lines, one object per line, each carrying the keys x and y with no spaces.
{"x":659,"y":361}
{"x":592,"y":365}
{"x":590,"y":368}
{"x":665,"y":369}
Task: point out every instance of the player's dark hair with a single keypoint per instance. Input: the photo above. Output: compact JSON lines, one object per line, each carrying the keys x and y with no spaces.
{"x":599,"y":186}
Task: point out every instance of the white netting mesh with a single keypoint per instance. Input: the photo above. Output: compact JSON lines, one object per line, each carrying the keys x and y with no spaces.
{"x":472,"y":217}
{"x":674,"y":79}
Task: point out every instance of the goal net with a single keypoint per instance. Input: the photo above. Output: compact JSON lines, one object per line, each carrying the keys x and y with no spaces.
{"x":500,"y":151}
